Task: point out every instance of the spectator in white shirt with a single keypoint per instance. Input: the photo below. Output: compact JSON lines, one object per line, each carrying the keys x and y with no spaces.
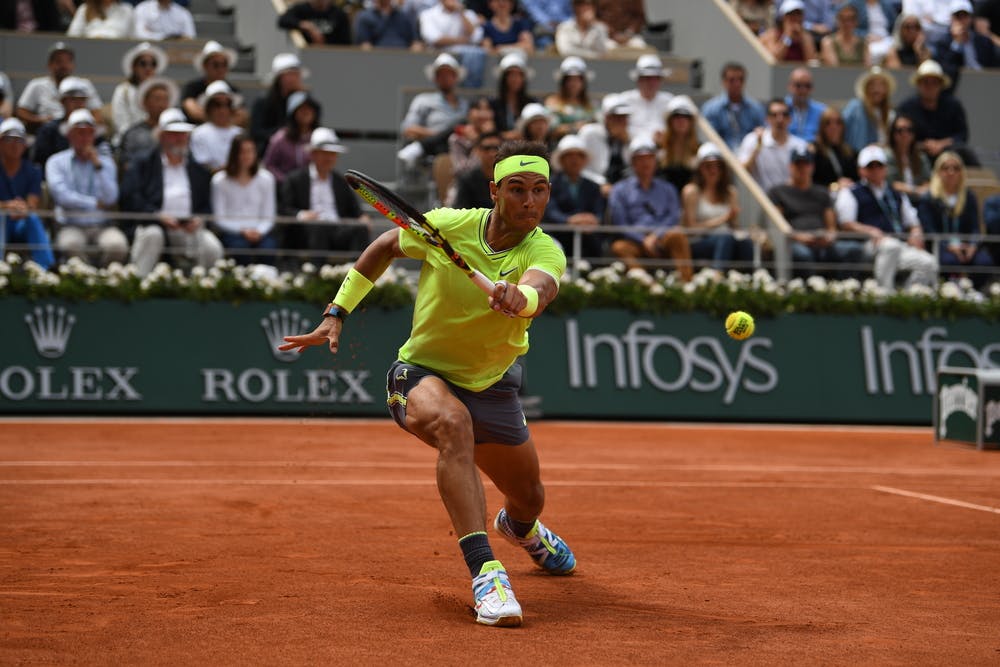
{"x":40,"y":100}
{"x":583,"y":35}
{"x":448,"y":26}
{"x":140,"y":63}
{"x":83,"y":183}
{"x":163,"y":19}
{"x":102,"y":19}
{"x":767,"y":152}
{"x":211,"y":141}
{"x":647,"y":102}
{"x":244,"y":203}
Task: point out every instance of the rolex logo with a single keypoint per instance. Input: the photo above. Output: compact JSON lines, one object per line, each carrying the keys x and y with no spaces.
{"x":50,"y":328}
{"x":281,"y":323}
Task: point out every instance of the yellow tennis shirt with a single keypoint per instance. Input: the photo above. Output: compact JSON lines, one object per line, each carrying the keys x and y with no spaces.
{"x":455,"y":333}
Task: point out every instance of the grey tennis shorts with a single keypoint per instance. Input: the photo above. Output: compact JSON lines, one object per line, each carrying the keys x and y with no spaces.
{"x":496,"y":411}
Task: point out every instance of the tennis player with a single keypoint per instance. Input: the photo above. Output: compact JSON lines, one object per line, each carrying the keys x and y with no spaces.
{"x":455,"y":383}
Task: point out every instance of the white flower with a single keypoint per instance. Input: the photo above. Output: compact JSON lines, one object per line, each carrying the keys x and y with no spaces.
{"x":215,"y":273}
{"x":657,"y":289}
{"x":618,"y":267}
{"x":796,"y":285}
{"x":995,"y":290}
{"x":299,"y":282}
{"x":3,"y":281}
{"x":950,"y":290}
{"x":817,"y":283}
{"x":640,"y":276}
{"x":689,"y":288}
{"x":309,"y":268}
{"x":851,"y":284}
{"x":965,"y":283}
{"x":199,"y":272}
{"x":13,"y":258}
{"x":5,"y":269}
{"x":919,"y":289}
{"x":207,"y":283}
{"x":582,"y":266}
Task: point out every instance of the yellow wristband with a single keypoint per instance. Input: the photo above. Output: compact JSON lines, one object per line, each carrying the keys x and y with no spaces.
{"x":531,"y":294}
{"x":354,"y":288}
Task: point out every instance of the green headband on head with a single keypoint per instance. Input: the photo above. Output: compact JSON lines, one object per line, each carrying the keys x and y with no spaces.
{"x":518,"y":163}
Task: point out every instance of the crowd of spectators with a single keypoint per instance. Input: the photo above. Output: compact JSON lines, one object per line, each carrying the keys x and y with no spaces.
{"x":204,"y":175}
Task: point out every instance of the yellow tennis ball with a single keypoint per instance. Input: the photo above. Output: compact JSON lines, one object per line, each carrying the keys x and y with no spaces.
{"x":739,"y":325}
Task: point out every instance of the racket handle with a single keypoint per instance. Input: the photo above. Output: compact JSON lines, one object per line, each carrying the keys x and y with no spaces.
{"x":482,"y":282}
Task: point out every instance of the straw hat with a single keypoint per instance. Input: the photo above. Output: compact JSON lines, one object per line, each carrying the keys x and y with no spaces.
{"x":173,"y":92}
{"x":212,"y":48}
{"x":930,"y":68}
{"x":159,"y":55}
{"x":515,"y":59}
{"x":444,"y":60}
{"x":874,"y":73}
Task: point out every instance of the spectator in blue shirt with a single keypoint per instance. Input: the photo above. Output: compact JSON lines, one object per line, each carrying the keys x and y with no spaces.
{"x":575,"y":200}
{"x":385,"y":26}
{"x":20,"y":193}
{"x":732,"y":113}
{"x":804,"y":109}
{"x":648,"y":211}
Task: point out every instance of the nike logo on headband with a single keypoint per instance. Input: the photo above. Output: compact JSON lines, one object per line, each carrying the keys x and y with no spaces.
{"x":525,"y":164}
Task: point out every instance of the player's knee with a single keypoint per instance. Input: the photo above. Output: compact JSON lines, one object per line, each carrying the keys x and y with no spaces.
{"x":451,"y":432}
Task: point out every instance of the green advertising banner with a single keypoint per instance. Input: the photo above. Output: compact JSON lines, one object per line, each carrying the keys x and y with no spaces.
{"x":178,"y":357}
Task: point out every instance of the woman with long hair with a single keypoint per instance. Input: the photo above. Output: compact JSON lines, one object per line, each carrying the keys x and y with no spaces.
{"x":512,"y":94}
{"x":506,"y":30}
{"x":535,"y":124}
{"x":866,"y":117}
{"x":570,"y":105}
{"x":244,"y":204}
{"x":711,"y":210}
{"x":909,"y":167}
{"x":140,"y":63}
{"x":288,"y":148}
{"x":836,"y":162}
{"x":270,"y":111}
{"x":950,"y":209}
{"x":679,"y":143}
{"x":909,"y":43}
{"x":102,"y":19}
{"x":845,"y":46}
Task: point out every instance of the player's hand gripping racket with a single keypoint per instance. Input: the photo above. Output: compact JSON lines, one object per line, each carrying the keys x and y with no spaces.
{"x":394,"y":207}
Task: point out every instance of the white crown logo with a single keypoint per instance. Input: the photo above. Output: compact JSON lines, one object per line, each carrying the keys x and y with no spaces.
{"x":50,"y":327}
{"x":281,"y":323}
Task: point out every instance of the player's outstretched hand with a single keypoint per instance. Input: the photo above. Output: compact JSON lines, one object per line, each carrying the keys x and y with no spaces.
{"x":328,"y":332}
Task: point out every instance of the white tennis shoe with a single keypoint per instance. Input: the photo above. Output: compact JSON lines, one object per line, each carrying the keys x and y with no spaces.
{"x":495,"y":601}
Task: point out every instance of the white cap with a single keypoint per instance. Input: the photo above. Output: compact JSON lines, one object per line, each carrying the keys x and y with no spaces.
{"x":614,"y":105}
{"x":325,"y":139}
{"x":682,"y":105}
{"x":297,"y":99}
{"x":534,"y":110}
{"x":515,"y":59}
{"x":174,"y":120}
{"x":159,"y":55}
{"x":211,"y":48}
{"x":220,"y":87}
{"x":74,"y":86}
{"x":957,"y":6}
{"x":569,"y":144}
{"x":641,"y":145}
{"x":791,"y":6}
{"x":872,"y":153}
{"x":444,"y":60}
{"x":648,"y":64}
{"x":572,"y":65}
{"x":708,"y":151}
{"x":12,"y":127}
{"x":284,"y":62}
{"x":81,"y":117}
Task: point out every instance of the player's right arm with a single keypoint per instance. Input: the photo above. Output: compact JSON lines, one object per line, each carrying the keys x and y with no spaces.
{"x":372,"y":263}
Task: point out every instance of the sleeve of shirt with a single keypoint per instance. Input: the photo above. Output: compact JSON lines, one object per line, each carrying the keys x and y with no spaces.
{"x":616,"y":204}
{"x":189,"y":30}
{"x":477,"y":34}
{"x":363,"y":27}
{"x":270,"y":202}
{"x":908,"y":213}
{"x":415,"y":115}
{"x":29,"y":97}
{"x":93,"y":97}
{"x":107,"y":181}
{"x":548,"y":258}
{"x":846,"y":206}
{"x":673,"y":208}
{"x":58,"y":177}
{"x":430,"y":31}
{"x":746,"y":147}
{"x":218,"y":193}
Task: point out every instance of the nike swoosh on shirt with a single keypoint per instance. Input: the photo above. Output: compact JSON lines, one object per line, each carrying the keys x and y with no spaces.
{"x":525,"y":164}
{"x":508,"y":272}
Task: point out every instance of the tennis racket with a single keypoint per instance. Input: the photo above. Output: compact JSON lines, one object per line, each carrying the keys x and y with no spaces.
{"x":397,"y":209}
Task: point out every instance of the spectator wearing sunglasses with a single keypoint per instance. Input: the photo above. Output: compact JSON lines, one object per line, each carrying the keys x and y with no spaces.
{"x":805,"y":111}
{"x":140,"y":63}
{"x":767,"y":151}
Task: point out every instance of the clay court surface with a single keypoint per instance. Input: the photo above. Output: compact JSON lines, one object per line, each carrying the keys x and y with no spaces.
{"x":324,"y":543}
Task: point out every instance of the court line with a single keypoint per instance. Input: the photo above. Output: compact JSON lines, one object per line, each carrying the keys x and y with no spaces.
{"x":936,"y":499}
{"x":140,"y":481}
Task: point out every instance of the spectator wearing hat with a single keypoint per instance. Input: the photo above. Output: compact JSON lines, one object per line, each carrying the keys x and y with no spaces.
{"x":607,"y":143}
{"x":319,"y":194}
{"x":766,"y":152}
{"x":472,"y":186}
{"x":158,"y":20}
{"x":874,"y":209}
{"x":647,"y":102}
{"x":432,"y":117}
{"x":504,"y":32}
{"x":211,"y":141}
{"x":31,"y":16}
{"x":836,"y":162}
{"x":583,"y":35}
{"x":575,"y":200}
{"x":102,"y":19}
{"x":866,"y":117}
{"x":513,"y":75}
{"x":678,"y":143}
{"x":156,"y":95}
{"x":535,"y":124}
{"x":244,"y":200}
{"x":141,"y":62}
{"x":711,"y":212}
{"x":570,"y":105}
{"x":462,"y":154}
{"x":963,"y":47}
{"x":319,"y":21}
{"x":51,"y":137}
{"x":448,"y":26}
{"x":213,"y":63}
{"x":271,"y":110}
{"x":733,"y":113}
{"x":805,"y":111}
{"x":809,"y":211}
{"x":647,"y":212}
{"x":939,"y":119}
{"x":40,"y":100}
{"x":288,"y":148}
{"x":20,"y":194}
{"x":168,"y":184}
{"x":83,"y":183}
{"x":546,"y":15}
{"x":789,"y":40}
{"x":383,"y":25}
